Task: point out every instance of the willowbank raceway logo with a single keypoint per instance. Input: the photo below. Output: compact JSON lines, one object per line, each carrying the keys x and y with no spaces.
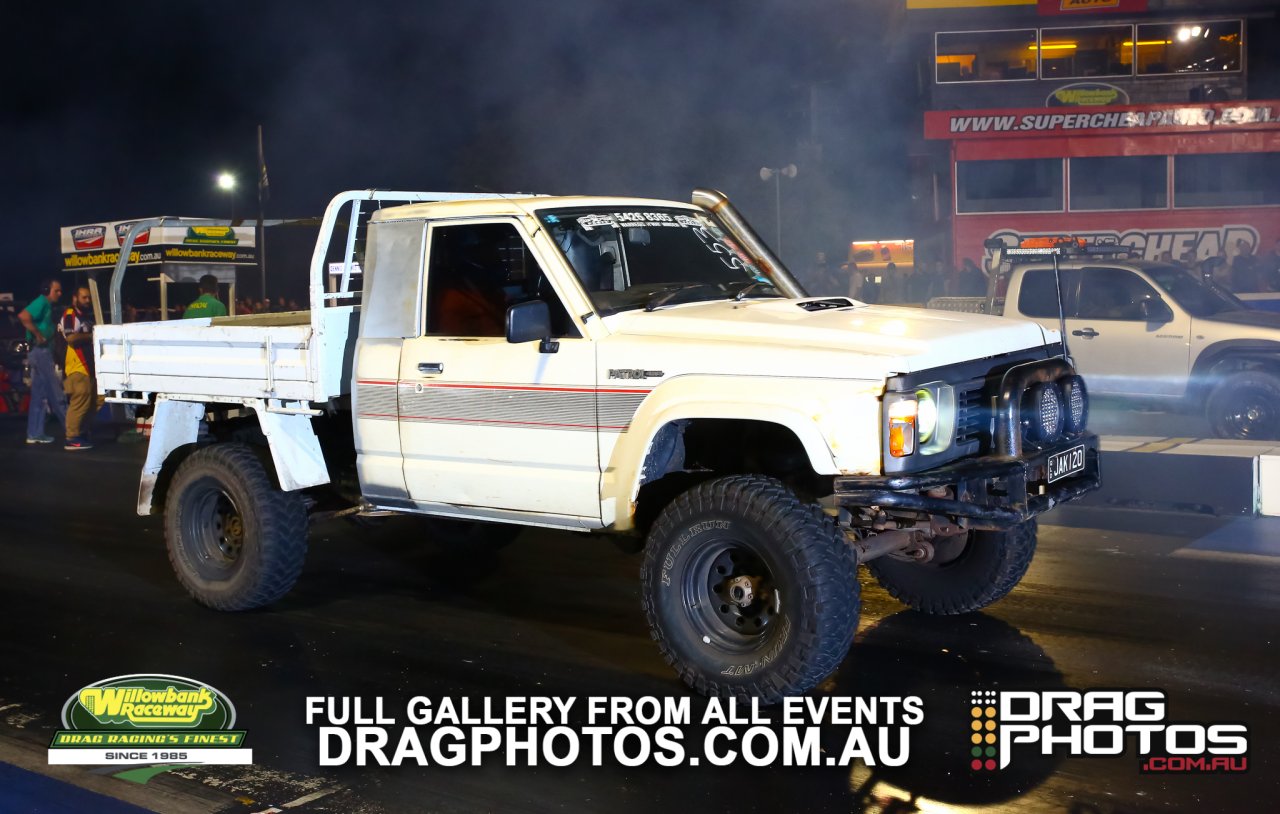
{"x":148,"y":719}
{"x":1100,"y":723}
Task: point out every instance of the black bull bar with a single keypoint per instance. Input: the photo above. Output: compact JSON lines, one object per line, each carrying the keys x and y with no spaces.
{"x":1010,"y":485}
{"x":995,"y":491}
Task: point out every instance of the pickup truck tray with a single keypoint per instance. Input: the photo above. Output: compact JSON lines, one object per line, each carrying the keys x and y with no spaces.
{"x":280,"y":356}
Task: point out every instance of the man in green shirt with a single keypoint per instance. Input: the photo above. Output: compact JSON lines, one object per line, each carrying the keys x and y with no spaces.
{"x":207,"y":304}
{"x":46,"y":388}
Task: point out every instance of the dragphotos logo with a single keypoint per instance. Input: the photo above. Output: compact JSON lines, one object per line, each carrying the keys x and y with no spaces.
{"x":1100,"y":723}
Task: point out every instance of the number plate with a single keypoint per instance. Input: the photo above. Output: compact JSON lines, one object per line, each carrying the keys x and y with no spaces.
{"x":1065,"y":463}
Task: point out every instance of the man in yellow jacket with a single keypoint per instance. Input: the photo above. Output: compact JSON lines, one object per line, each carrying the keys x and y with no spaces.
{"x":76,"y":328}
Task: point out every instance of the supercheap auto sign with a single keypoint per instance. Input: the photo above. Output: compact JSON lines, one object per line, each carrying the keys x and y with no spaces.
{"x":97,"y":245}
{"x":1114,"y":120}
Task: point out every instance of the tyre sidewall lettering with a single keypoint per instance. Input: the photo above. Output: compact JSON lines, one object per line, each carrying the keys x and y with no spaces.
{"x":693,"y":531}
{"x":783,"y":636}
{"x":693,"y":538}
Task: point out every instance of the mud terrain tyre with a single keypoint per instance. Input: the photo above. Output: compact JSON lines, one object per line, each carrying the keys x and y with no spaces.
{"x":969,"y":572}
{"x":747,"y":590}
{"x":235,"y":540}
{"x":1246,"y":405}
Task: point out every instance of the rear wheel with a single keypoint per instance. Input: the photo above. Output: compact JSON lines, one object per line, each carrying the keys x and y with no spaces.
{"x":1246,"y":405}
{"x":235,"y":540}
{"x":749,"y":591}
{"x":967,"y":573}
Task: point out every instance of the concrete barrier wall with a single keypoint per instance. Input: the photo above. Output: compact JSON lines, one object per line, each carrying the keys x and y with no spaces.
{"x":1269,"y":484}
{"x":1207,"y":475}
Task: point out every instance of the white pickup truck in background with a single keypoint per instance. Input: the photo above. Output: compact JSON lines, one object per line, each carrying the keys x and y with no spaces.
{"x":1149,"y":332}
{"x":618,"y":365}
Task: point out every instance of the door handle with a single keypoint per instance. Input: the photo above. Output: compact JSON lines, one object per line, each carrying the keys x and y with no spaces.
{"x":428,"y":368}
{"x":1087,"y":333}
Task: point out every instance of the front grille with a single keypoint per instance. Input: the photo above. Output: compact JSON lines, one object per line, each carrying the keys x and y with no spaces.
{"x":973,"y":418}
{"x":975,"y":385}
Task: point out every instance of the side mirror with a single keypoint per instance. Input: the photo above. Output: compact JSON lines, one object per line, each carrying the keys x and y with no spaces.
{"x":1155,"y":310}
{"x":530,"y":322}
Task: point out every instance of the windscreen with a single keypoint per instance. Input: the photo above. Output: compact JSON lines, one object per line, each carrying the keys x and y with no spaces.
{"x":652,"y":257}
{"x":1197,"y":296}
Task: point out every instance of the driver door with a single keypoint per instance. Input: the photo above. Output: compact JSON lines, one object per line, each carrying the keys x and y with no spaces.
{"x":485,"y":423}
{"x":1120,"y":351}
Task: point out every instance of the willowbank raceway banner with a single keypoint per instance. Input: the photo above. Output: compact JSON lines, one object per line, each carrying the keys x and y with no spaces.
{"x":93,"y":246}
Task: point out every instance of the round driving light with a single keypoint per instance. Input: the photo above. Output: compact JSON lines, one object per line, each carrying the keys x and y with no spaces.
{"x":1077,"y":397}
{"x":926,"y":415}
{"x":1043,"y":414}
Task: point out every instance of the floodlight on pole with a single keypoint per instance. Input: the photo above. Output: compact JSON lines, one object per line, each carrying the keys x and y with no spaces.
{"x":227,"y":183}
{"x":776,"y":173}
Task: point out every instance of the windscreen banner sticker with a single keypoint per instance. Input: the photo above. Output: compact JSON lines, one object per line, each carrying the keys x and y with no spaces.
{"x":729,"y":253}
{"x":632,"y":220}
{"x":148,"y":719}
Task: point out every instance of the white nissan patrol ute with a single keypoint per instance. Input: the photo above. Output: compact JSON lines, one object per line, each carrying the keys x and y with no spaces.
{"x":619,"y":365}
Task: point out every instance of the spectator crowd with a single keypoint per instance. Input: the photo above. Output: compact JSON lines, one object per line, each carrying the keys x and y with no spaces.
{"x":895,"y":284}
{"x":1236,"y":268}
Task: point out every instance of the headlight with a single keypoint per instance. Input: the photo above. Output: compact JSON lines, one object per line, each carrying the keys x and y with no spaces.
{"x":926,"y":416}
{"x":1043,"y":416}
{"x":921,"y":421}
{"x":1077,"y":398}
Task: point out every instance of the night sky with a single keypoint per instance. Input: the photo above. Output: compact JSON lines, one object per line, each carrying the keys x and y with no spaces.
{"x":118,"y":111}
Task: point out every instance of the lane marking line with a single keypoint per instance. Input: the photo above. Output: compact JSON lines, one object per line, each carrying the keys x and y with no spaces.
{"x":1161,"y":445}
{"x":1227,"y":556}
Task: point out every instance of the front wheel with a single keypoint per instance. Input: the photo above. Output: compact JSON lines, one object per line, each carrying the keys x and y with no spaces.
{"x":235,"y":539}
{"x":748,"y":591}
{"x":1246,"y":405}
{"x":967,"y":573}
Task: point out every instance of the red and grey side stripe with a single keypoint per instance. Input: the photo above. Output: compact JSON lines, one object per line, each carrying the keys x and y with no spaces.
{"x":606,"y":409}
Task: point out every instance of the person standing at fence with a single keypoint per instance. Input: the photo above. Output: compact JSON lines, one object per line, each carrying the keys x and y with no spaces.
{"x":46,"y":394}
{"x":893,"y":286}
{"x":1269,"y":267}
{"x":854,"y":279}
{"x":207,"y":304}
{"x":77,"y":330}
{"x":970,"y":282}
{"x":1245,"y":278}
